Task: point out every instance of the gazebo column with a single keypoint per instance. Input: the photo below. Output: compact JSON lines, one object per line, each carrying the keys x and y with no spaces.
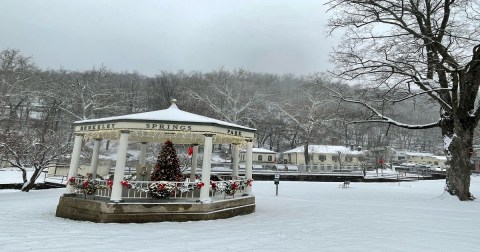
{"x":120,"y":166}
{"x":193,"y":171}
{"x":74,"y":160}
{"x":235,"y":157}
{"x":206,"y":168}
{"x":143,"y":154}
{"x":248,"y":166}
{"x":95,"y":154}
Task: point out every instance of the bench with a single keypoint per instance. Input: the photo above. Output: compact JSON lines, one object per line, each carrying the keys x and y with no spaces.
{"x":345,"y":184}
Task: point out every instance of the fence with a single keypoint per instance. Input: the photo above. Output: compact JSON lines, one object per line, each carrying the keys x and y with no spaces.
{"x":162,"y":189}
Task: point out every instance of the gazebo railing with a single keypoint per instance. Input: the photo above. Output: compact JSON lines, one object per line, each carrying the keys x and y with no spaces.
{"x":174,"y":190}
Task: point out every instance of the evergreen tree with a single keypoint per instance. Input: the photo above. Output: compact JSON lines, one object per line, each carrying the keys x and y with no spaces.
{"x":167,"y":167}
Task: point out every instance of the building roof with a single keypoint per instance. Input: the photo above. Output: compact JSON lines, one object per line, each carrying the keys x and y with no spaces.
{"x":418,"y":154}
{"x":444,"y":158}
{"x":173,"y":124}
{"x":170,"y":115}
{"x":330,"y":149}
{"x":260,"y":150}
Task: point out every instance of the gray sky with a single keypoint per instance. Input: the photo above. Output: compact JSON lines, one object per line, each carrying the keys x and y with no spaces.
{"x":148,"y":36}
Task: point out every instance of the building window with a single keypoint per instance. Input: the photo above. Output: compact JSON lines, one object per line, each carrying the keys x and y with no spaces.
{"x":435,"y":163}
{"x":289,"y":157}
{"x":322,"y":158}
{"x":259,"y":157}
{"x":270,"y":158}
{"x":348,"y":158}
{"x":360,"y":158}
{"x":335,"y":158}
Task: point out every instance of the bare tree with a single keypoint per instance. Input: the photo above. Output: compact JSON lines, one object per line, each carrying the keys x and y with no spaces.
{"x":414,"y":50}
{"x":89,"y":94}
{"x":35,"y":146}
{"x":17,"y":73}
{"x":310,"y":109}
{"x":230,"y":95}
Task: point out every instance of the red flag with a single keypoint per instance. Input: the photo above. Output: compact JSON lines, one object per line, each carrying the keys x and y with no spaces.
{"x":190,"y":150}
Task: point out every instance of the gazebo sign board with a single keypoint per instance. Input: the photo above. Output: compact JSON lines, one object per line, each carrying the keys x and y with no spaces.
{"x":172,"y":124}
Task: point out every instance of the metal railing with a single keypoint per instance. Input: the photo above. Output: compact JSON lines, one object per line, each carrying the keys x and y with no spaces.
{"x":175,"y":190}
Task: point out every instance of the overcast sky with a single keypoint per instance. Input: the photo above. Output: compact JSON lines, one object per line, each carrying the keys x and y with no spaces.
{"x":148,"y":36}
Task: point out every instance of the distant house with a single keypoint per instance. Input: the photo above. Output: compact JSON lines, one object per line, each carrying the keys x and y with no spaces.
{"x":426,"y":159}
{"x":260,"y":156}
{"x":327,"y":157}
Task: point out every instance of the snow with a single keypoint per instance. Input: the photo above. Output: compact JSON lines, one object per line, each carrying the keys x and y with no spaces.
{"x":419,"y":154}
{"x":333,"y":149}
{"x":259,"y":150}
{"x":444,"y":158}
{"x":447,"y":141}
{"x":305,"y":216}
{"x":13,"y":175}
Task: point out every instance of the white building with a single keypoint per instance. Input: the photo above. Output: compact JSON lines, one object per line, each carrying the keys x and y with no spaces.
{"x":426,"y":159}
{"x":327,"y":157}
{"x":260,"y":155}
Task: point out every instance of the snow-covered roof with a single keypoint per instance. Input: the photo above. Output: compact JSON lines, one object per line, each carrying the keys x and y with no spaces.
{"x":260,"y":150}
{"x":172,"y":124}
{"x":170,"y":115}
{"x":443,"y":158}
{"x":330,"y":149}
{"x":418,"y":154}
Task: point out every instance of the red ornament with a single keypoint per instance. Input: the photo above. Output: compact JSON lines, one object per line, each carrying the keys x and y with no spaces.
{"x":161,"y":187}
{"x":200,"y":185}
{"x":190,"y":150}
{"x":380,"y":161}
{"x":249,"y":182}
{"x":109,"y":183}
{"x":72,"y":180}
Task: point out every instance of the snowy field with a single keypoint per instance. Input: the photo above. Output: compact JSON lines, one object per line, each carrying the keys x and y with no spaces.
{"x":13,"y":175}
{"x":306,"y":216}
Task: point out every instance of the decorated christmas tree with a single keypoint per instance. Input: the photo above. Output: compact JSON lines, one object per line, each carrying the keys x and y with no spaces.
{"x":167,"y":167}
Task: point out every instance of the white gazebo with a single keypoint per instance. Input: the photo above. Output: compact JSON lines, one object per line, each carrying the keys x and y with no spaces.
{"x":172,"y":124}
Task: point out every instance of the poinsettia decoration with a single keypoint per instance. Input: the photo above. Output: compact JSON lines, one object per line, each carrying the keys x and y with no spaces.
{"x":126,"y":184}
{"x":109,"y":183}
{"x":213,"y":185}
{"x":86,"y":186}
{"x":231,"y":187}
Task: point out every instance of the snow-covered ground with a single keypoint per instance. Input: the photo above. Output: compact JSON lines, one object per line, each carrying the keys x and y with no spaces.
{"x":13,"y":175}
{"x":306,"y":216}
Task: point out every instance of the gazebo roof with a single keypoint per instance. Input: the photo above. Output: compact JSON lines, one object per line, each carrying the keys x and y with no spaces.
{"x":171,"y":123}
{"x":325,"y":149}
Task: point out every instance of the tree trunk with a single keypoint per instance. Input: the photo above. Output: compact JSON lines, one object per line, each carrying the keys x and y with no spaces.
{"x":458,"y":155}
{"x":24,"y":175}
{"x":30,"y":184}
{"x":305,"y":152}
